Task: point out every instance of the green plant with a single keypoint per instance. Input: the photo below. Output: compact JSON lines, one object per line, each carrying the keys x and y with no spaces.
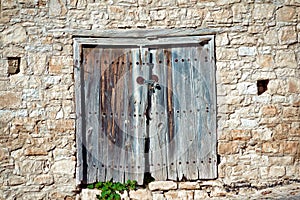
{"x":109,"y":189}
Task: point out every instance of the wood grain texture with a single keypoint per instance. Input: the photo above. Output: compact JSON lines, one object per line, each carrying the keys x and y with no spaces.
{"x":111,"y":108}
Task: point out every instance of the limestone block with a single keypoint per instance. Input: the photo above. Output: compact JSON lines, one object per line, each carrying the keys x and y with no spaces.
{"x":189,"y":185}
{"x":265,"y":61}
{"x":295,"y":127}
{"x":88,"y":194}
{"x":270,"y":147}
{"x":172,"y":195}
{"x":158,"y":15}
{"x":15,"y":34}
{"x":58,"y":63}
{"x":290,"y":112}
{"x":244,"y":39}
{"x":271,"y":37}
{"x":31,"y":94}
{"x":294,"y":85}
{"x":263,"y":11}
{"x":16,"y":180}
{"x":140,"y":194}
{"x":247,"y":88}
{"x":4,"y":154}
{"x":200,"y":194}
{"x":247,"y":51}
{"x":10,"y":100}
{"x":230,"y":147}
{"x":238,"y":10}
{"x":222,"y":16}
{"x":286,"y":58}
{"x":57,"y":7}
{"x":243,"y":135}
{"x":8,"y":4}
{"x":287,"y":35}
{"x":186,"y":194}
{"x":218,"y":192}
{"x":61,"y":125}
{"x":35,"y":152}
{"x":290,"y":147}
{"x":66,"y":166}
{"x":223,"y":53}
{"x":162,"y":185}
{"x":281,"y":161}
{"x":249,"y":123}
{"x":276,"y":171}
{"x":44,"y":179}
{"x":158,"y":196}
{"x":286,"y":14}
{"x":222,"y":39}
{"x":269,"y":110}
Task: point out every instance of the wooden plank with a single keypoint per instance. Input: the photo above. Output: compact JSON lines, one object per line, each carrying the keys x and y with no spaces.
{"x":91,"y":105}
{"x":139,"y":33}
{"x":156,"y":42}
{"x":192,"y":170}
{"x":103,"y":65}
{"x":206,"y":141}
{"x":158,"y":127}
{"x":78,"y":71}
{"x":136,"y":129}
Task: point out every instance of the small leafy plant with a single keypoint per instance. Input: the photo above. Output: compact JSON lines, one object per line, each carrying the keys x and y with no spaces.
{"x":109,"y":189}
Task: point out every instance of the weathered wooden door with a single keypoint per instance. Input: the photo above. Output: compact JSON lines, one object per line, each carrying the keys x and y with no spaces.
{"x":146,"y":108}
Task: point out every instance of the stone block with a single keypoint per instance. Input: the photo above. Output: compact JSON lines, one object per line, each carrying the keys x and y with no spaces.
{"x":247,"y":88}
{"x":286,"y":59}
{"x":271,"y":37}
{"x":35,"y":152}
{"x":44,"y":179}
{"x":200,"y":194}
{"x":15,"y":34}
{"x":287,"y":35}
{"x":66,"y":166}
{"x":270,"y":147}
{"x":281,"y":161}
{"x":61,"y":125}
{"x":58,"y":63}
{"x":10,"y":100}
{"x":222,"y":39}
{"x":269,"y":110}
{"x":265,"y":61}
{"x":157,"y":196}
{"x":140,"y":194}
{"x":286,"y":14}
{"x":249,"y":123}
{"x":290,"y":147}
{"x":243,"y":135}
{"x":276,"y":171}
{"x":57,"y":7}
{"x":290,"y":112}
{"x":223,"y":53}
{"x":189,"y":185}
{"x":295,"y":129}
{"x":247,"y":51}
{"x":162,"y":185}
{"x":263,"y":11}
{"x":16,"y":180}
{"x":230,"y":147}
{"x":88,"y":194}
{"x":171,"y":195}
{"x":294,"y":85}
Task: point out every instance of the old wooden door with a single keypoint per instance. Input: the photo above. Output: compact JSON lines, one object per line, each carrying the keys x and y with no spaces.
{"x":146,"y":108}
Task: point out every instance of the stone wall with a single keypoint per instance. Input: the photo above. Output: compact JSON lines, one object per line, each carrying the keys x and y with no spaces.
{"x":258,"y":135}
